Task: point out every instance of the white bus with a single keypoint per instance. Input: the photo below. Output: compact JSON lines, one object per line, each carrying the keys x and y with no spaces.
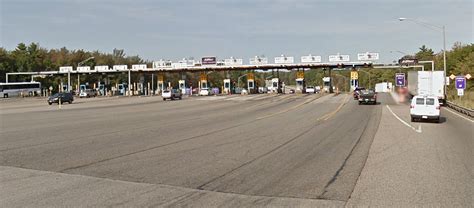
{"x":12,"y":89}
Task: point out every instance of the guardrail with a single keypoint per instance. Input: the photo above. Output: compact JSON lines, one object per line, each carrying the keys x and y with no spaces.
{"x":463,"y":110}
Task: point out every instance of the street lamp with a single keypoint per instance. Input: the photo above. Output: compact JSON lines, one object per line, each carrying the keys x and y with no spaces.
{"x":369,"y":77}
{"x":441,"y":28}
{"x":400,"y":52}
{"x":78,"y":65}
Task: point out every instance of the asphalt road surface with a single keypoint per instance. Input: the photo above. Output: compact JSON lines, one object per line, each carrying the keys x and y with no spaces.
{"x":258,"y":150}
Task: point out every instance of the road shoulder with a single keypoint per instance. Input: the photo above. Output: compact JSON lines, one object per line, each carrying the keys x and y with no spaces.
{"x":409,"y":168}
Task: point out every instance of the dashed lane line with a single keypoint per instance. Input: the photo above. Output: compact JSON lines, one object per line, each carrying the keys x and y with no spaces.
{"x":404,"y":122}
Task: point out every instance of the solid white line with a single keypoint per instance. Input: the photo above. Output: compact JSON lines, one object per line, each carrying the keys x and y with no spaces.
{"x":457,"y":114}
{"x":404,"y":122}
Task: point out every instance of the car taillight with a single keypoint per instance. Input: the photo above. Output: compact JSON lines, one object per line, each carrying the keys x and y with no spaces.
{"x":437,"y":107}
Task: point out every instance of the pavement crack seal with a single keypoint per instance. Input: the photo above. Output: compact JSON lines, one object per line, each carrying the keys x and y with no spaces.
{"x":334,"y":178}
{"x":404,"y":122}
{"x":331,"y":114}
{"x":288,"y":109}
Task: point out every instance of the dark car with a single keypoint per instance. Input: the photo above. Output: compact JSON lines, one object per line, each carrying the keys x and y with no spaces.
{"x":357,"y":92}
{"x":65,"y":97}
{"x":367,"y":96}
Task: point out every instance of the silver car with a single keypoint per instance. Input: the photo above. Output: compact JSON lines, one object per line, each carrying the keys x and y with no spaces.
{"x":171,"y":94}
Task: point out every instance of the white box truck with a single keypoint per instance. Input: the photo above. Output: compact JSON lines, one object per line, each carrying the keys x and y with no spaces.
{"x":430,"y":83}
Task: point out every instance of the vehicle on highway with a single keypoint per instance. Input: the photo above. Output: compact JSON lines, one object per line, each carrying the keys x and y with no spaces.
{"x":12,"y":89}
{"x":171,"y":94}
{"x":427,"y":83}
{"x":310,"y":89}
{"x":367,"y":96}
{"x":204,"y":92}
{"x":317,"y":89}
{"x":88,"y":93}
{"x":63,"y":97}
{"x":357,"y":92}
{"x":425,"y":107}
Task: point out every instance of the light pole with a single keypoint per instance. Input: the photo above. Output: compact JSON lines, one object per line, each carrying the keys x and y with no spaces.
{"x":369,"y":77}
{"x":442,"y":28}
{"x":400,"y":52}
{"x":78,"y":65}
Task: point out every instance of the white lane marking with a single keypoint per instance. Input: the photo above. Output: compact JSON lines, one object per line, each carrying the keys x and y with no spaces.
{"x":404,"y":122}
{"x":457,"y":114}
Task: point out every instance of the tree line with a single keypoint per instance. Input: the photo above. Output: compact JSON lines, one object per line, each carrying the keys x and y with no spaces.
{"x":33,"y":58}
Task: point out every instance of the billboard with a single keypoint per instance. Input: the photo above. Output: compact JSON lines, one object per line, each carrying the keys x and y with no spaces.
{"x":210,"y":60}
{"x":338,"y":58}
{"x":284,"y":60}
{"x":310,"y":59}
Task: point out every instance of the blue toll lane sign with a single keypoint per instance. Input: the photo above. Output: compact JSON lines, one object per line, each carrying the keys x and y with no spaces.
{"x":460,"y":83}
{"x":400,"y":79}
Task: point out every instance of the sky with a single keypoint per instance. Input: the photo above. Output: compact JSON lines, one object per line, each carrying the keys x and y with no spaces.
{"x":176,"y":29}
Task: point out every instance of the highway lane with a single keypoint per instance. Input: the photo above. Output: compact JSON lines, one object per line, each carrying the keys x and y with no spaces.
{"x":284,"y":146}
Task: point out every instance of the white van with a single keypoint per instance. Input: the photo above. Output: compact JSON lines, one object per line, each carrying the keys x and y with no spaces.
{"x":425,"y":107}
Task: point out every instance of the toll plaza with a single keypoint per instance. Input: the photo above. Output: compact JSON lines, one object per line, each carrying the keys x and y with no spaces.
{"x":145,"y":84}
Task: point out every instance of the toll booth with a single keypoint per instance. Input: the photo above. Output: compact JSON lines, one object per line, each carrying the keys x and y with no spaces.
{"x":300,"y":85}
{"x":326,"y":84}
{"x":182,"y":86}
{"x":161,"y":84}
{"x":300,"y":82}
{"x":122,"y":89}
{"x":203,"y":78}
{"x":101,"y":88}
{"x":276,"y":87}
{"x":227,"y":87}
{"x":82,"y":88}
{"x":140,"y":88}
{"x":250,"y":83}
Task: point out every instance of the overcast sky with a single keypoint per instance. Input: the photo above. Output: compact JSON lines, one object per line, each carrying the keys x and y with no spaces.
{"x":175,"y":29}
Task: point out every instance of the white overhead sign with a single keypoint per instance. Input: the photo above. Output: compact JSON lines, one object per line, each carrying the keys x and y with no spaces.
{"x":339,"y":58}
{"x":367,"y":56}
{"x":258,"y":60}
{"x":102,"y":68}
{"x":233,"y":62}
{"x":179,"y":65}
{"x":161,"y":64}
{"x":139,"y":67}
{"x":65,"y":69}
{"x":120,"y":67}
{"x":284,"y":60}
{"x":310,"y":59}
{"x":84,"y":69}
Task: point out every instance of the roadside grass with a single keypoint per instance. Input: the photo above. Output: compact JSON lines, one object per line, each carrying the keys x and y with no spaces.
{"x":466,"y":101}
